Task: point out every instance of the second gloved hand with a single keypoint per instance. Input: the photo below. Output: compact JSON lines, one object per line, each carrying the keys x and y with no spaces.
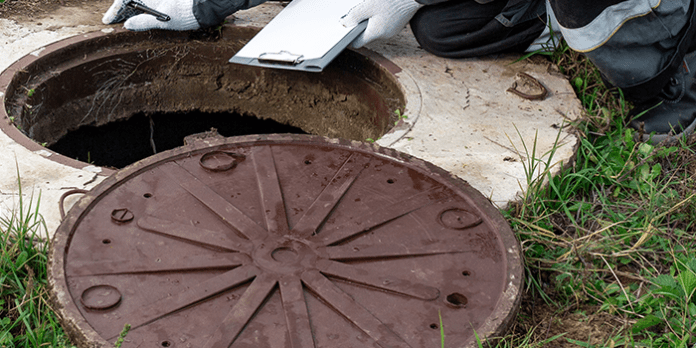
{"x":180,"y":11}
{"x":386,"y":18}
{"x":185,"y":14}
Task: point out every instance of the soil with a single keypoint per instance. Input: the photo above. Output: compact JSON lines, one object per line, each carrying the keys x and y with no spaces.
{"x":576,"y":323}
{"x":27,"y":9}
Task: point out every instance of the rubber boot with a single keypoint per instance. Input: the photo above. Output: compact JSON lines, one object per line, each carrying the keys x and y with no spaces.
{"x":672,"y":114}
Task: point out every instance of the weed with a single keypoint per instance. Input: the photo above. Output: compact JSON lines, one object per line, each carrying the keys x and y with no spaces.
{"x":27,"y":320}
{"x":670,"y":306}
{"x":122,"y":336}
{"x":442,"y":330}
{"x":536,"y":169}
{"x":399,"y":116}
{"x":30,"y":93}
{"x":479,"y":343}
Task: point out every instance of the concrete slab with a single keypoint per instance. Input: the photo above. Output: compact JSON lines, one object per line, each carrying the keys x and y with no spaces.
{"x":460,"y":116}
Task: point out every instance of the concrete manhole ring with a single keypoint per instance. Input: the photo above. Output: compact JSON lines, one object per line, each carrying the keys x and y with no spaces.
{"x":305,"y":242}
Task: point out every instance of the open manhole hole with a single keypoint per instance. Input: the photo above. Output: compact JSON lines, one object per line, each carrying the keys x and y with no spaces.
{"x":113,"y":99}
{"x":279,"y":241}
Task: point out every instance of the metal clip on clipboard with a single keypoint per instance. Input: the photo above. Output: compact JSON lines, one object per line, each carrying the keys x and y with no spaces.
{"x":282,"y":57}
{"x":306,"y":35}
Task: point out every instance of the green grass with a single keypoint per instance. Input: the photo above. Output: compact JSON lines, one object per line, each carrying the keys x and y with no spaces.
{"x":26,"y":319}
{"x":612,"y":233}
{"x":615,"y":229}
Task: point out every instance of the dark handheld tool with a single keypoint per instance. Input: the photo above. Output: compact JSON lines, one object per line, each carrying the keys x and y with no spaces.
{"x":144,"y":9}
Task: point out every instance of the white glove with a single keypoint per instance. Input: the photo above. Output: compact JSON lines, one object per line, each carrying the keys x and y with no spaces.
{"x":180,"y":11}
{"x":385,"y":18}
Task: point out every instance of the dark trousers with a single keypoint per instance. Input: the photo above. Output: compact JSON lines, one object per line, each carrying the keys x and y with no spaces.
{"x":465,"y":28}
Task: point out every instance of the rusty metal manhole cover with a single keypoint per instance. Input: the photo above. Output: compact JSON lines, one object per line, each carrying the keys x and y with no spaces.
{"x":284,"y":241}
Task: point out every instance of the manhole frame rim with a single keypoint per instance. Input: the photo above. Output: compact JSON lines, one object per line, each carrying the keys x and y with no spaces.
{"x":83,"y":335}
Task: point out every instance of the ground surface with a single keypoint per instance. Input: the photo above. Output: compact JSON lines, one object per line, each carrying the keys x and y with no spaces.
{"x":583,"y":323}
{"x":27,"y":9}
{"x":578,"y":323}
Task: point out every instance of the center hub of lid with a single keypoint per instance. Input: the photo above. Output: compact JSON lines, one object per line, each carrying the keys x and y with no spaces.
{"x":284,"y":256}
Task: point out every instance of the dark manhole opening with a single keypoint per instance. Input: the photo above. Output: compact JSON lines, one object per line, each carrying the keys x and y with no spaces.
{"x":118,"y":144}
{"x":93,"y":99}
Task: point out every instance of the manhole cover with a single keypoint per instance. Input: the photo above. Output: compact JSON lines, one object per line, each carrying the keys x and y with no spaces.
{"x":284,"y":241}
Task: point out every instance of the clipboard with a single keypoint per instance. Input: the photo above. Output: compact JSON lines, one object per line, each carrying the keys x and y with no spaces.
{"x":306,"y":35}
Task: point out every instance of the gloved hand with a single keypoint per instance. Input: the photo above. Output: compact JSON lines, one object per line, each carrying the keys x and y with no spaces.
{"x":180,"y":11}
{"x":385,"y":18}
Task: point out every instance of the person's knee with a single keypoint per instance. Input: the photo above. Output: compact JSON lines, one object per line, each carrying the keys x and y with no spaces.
{"x":447,"y":27}
{"x":464,"y":28}
{"x":428,"y":32}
